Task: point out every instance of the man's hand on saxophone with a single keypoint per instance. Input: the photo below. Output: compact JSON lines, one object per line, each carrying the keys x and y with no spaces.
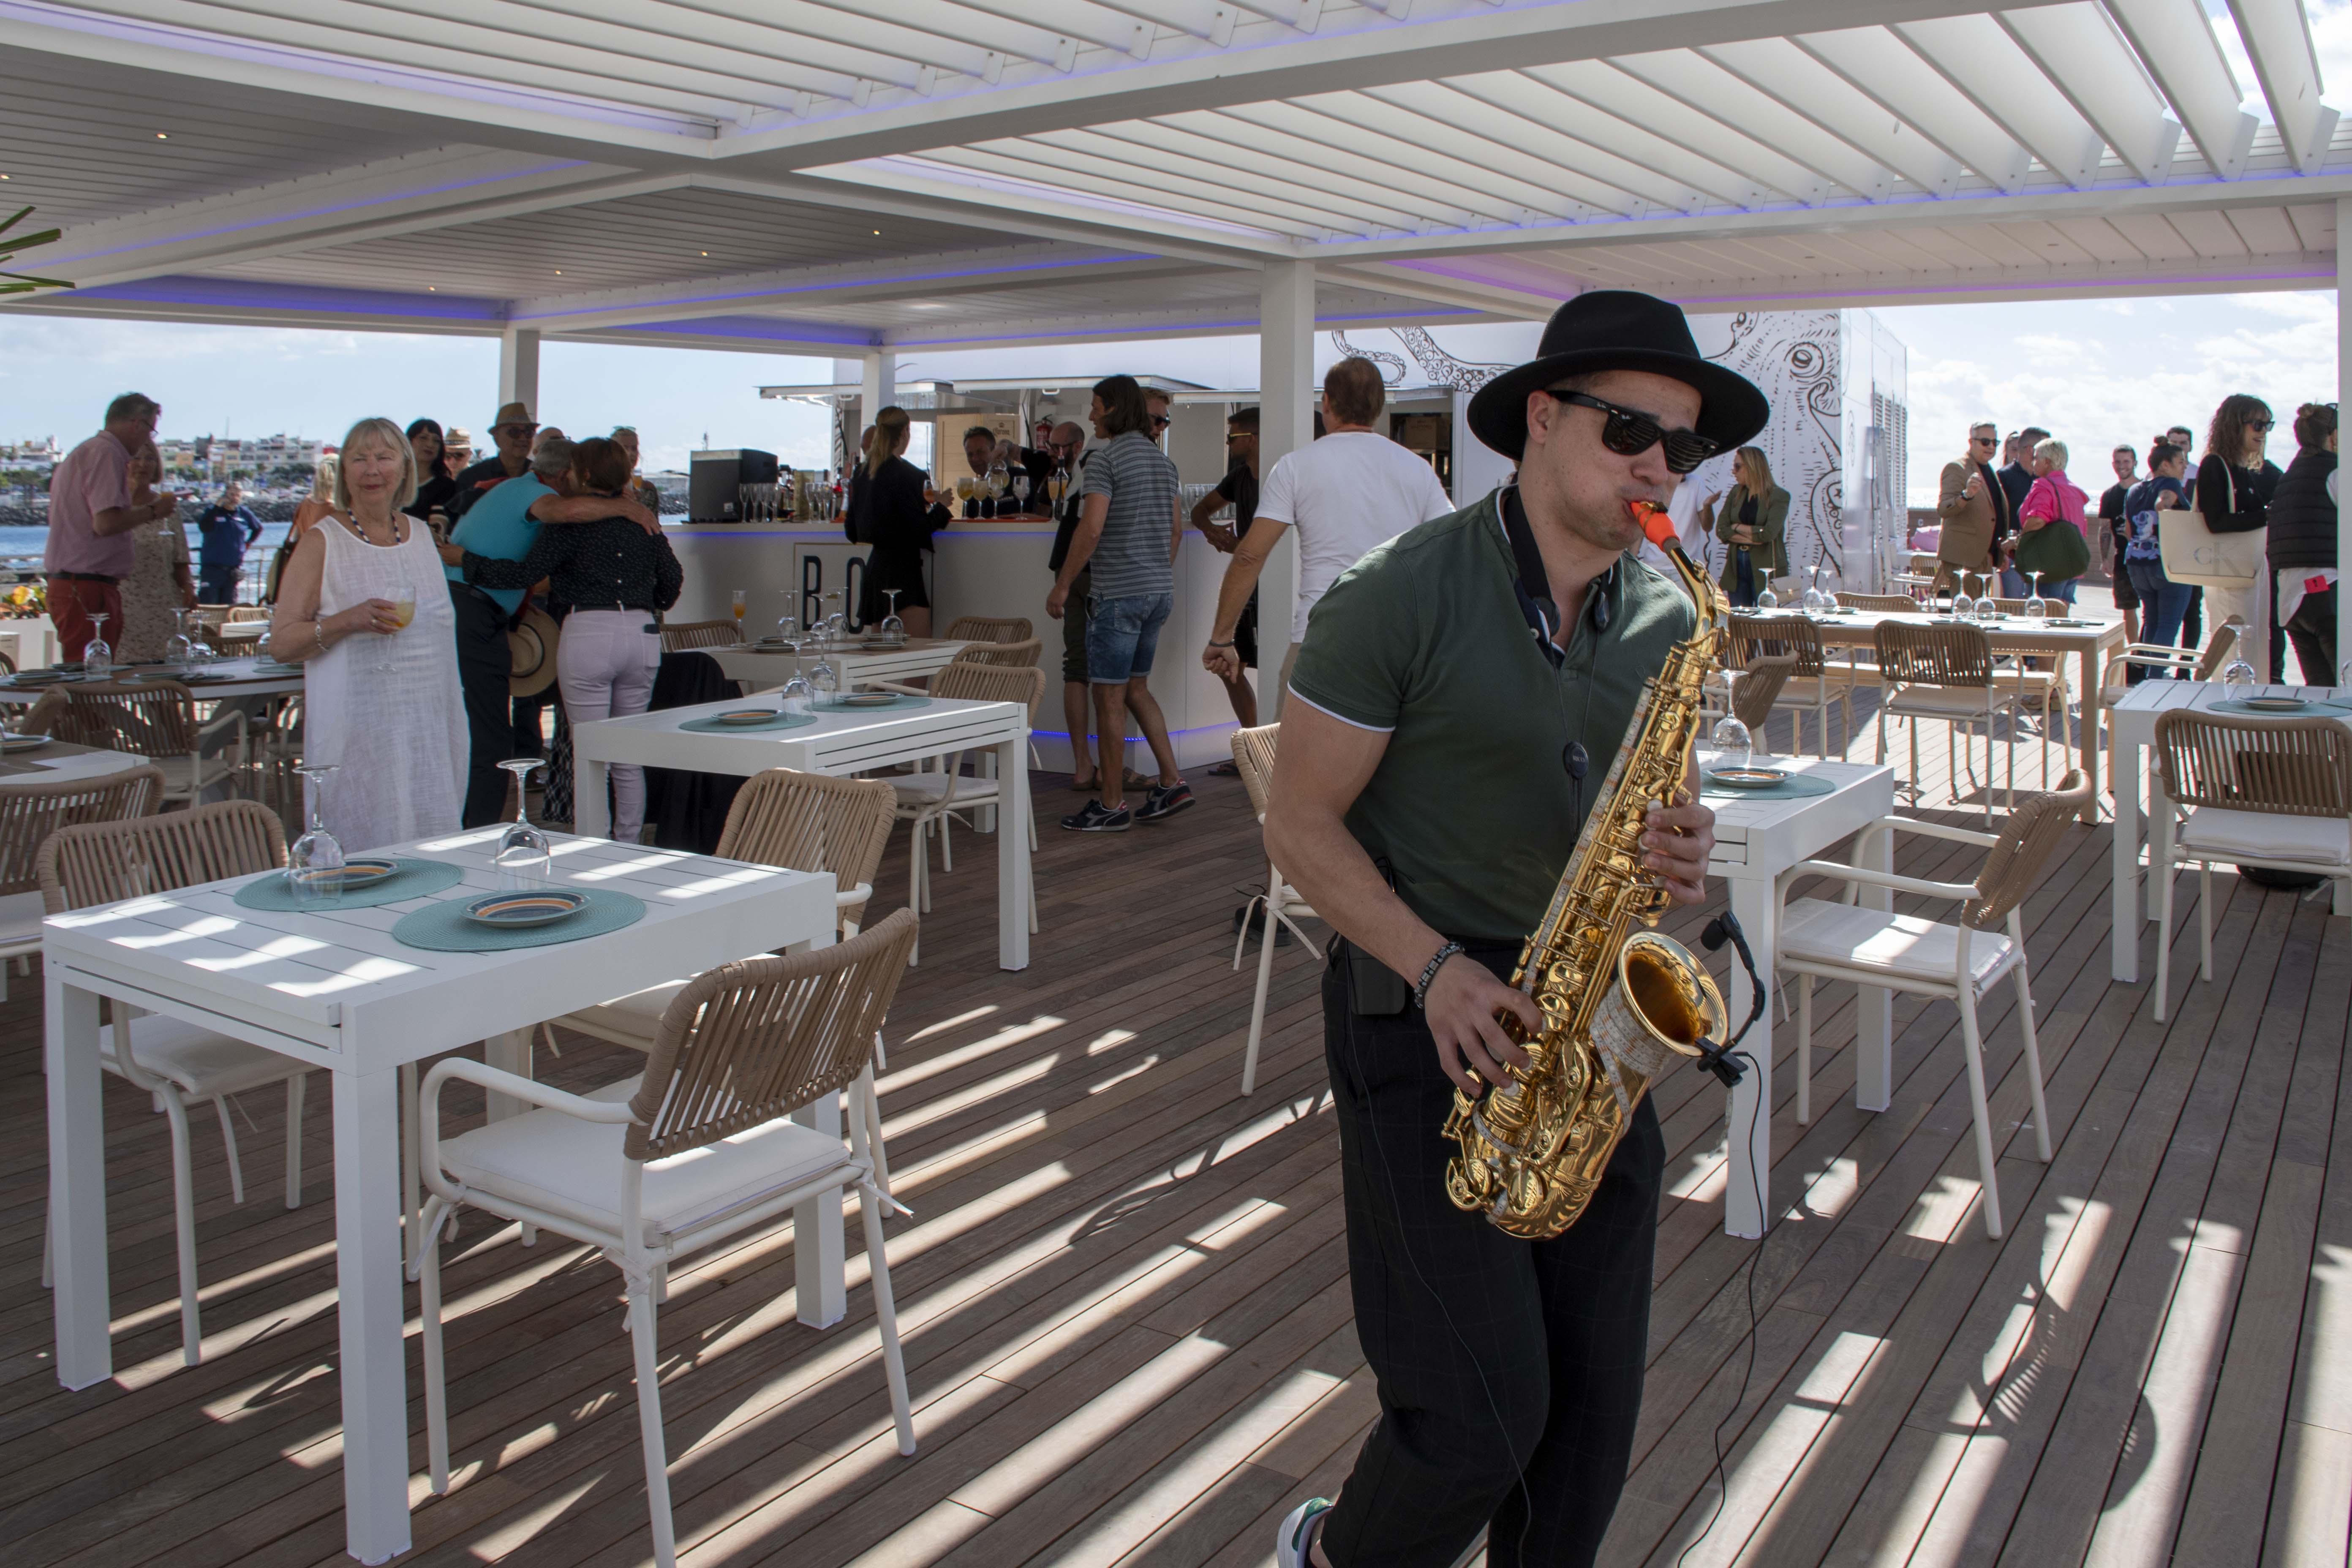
{"x":1680,"y":839}
{"x":1461,"y":1009}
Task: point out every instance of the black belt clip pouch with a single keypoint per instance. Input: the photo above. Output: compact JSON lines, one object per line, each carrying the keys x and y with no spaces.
{"x":1374,"y":990}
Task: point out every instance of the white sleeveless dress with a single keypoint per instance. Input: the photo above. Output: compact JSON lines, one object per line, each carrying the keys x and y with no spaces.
{"x":396,"y":736}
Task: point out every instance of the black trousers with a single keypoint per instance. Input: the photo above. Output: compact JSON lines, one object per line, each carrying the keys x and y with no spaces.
{"x":484,"y":668}
{"x":1509,"y":1372}
{"x":2312,"y":632}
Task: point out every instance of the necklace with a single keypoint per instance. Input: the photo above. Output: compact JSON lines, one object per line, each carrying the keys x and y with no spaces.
{"x":359,"y":526}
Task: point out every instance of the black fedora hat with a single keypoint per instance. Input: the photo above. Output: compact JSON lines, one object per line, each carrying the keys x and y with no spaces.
{"x":1617,"y":329}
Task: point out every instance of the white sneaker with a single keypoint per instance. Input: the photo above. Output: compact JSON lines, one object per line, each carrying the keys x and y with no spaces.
{"x":1299,"y":1532}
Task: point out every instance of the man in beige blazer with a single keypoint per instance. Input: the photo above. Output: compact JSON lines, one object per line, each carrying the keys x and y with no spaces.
{"x":1973,"y":508}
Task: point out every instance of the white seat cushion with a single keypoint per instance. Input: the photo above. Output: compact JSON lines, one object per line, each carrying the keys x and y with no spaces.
{"x":1853,"y":937}
{"x":20,"y":920}
{"x":203,"y":1064}
{"x":635,"y":1018}
{"x":565,"y":1166}
{"x":1949,"y":701}
{"x":2262,"y":836}
{"x":929,"y":789}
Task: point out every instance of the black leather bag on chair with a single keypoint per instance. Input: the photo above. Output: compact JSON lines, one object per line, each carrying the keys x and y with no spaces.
{"x":689,"y":810}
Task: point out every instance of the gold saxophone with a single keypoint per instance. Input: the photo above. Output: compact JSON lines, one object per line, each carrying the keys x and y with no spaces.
{"x":1618,"y":1005}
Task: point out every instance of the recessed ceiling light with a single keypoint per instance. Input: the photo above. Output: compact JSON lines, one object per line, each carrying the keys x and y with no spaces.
{"x":429,"y":289}
{"x":559,"y":272}
{"x":877,"y":231}
{"x":161,"y":137}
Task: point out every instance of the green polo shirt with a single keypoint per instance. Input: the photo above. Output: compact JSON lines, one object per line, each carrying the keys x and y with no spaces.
{"x":1472,"y":804}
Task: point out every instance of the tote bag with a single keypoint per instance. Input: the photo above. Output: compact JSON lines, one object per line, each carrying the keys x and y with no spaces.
{"x":2194,"y":554}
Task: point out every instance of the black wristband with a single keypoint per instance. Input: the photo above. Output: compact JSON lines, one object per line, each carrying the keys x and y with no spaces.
{"x":1429,"y":973}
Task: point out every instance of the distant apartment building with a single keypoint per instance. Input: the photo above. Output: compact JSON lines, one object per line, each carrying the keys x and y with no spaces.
{"x":30,"y":456}
{"x":215,"y":459}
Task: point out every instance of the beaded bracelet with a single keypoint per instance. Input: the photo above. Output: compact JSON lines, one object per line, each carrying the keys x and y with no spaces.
{"x":1421,"y":986}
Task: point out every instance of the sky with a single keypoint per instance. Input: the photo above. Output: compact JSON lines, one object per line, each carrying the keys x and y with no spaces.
{"x":2096,"y":374}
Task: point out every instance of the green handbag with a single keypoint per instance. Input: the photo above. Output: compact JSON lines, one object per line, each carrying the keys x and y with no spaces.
{"x":2057,"y":550}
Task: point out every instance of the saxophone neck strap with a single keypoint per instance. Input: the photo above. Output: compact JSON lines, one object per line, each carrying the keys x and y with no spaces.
{"x":1532,"y":583}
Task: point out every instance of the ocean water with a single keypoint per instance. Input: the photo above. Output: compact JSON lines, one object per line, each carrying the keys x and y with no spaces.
{"x":18,"y":544}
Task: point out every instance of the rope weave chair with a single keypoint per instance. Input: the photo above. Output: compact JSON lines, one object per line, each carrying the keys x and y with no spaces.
{"x":1254,"y":754}
{"x":1757,"y":690}
{"x":157,"y":720}
{"x":990,"y":628}
{"x":1946,"y":672}
{"x":1885,"y":603}
{"x":678,"y":637}
{"x":1961,"y":961}
{"x":29,"y":812}
{"x":740,"y":1049}
{"x":1007,"y":654}
{"x":934,"y":795}
{"x":183,"y":1065}
{"x":2256,"y":792}
{"x":1813,"y":684}
{"x":2158,"y":661}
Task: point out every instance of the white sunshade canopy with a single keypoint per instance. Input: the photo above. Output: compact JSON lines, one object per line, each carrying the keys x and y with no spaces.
{"x":836,"y":176}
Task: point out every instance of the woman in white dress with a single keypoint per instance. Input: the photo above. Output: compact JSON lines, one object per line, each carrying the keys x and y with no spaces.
{"x":364,"y":607}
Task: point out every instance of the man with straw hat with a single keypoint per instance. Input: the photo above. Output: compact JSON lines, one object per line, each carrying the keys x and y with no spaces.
{"x":1450,"y":722}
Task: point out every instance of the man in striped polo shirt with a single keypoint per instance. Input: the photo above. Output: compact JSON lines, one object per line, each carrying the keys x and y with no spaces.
{"x":1130,"y":525}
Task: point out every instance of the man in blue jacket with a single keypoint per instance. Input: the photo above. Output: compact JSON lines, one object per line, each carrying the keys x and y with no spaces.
{"x":228,"y":528}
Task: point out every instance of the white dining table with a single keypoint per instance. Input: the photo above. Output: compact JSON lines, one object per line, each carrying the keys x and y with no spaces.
{"x":333,"y":989}
{"x":840,"y":743}
{"x":1756,"y":840}
{"x":225,"y":677}
{"x":2132,"y":722}
{"x":761,"y":668}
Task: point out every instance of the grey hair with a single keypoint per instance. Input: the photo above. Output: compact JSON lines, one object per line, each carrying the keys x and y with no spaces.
{"x":550,"y":455}
{"x":2053,"y":449}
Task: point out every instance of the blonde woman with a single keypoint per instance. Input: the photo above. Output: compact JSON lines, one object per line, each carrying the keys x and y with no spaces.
{"x":365,"y":610}
{"x":1754,"y":523}
{"x":159,"y":581}
{"x":321,"y":502}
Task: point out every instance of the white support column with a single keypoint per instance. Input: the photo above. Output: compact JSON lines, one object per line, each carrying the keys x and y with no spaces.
{"x":518,"y":367}
{"x":877,"y":378}
{"x":1285,"y":412}
{"x":2343,"y":394}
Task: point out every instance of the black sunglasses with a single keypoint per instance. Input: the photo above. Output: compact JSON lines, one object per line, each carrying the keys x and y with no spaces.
{"x":2258,"y":424}
{"x":1629,"y":433}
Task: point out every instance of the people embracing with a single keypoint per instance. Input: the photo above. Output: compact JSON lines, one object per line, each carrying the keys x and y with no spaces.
{"x":1130,"y":523}
{"x":1427,"y":797}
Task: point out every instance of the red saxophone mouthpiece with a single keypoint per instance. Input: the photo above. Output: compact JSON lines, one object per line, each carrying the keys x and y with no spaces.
{"x":1654,"y":522}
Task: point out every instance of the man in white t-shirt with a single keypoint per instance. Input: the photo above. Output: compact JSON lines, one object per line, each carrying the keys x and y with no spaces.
{"x":1352,"y":490}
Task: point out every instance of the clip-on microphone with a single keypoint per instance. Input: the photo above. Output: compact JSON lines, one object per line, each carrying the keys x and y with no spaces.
{"x":1718,"y":1059}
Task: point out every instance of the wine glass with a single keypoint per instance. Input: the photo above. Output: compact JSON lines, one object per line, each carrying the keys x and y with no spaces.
{"x":788,"y":630}
{"x":1767,"y":601}
{"x":837,"y":625}
{"x":1734,"y":747}
{"x":736,"y":609}
{"x":98,"y":654}
{"x":1816,"y":601}
{"x":824,"y":682}
{"x":1021,"y":489}
{"x":1962,"y":608}
{"x":523,"y":851}
{"x":180,"y":652}
{"x":2343,"y":675}
{"x":797,"y":697}
{"x":315,"y":864}
{"x":892,"y":627}
{"x":2238,"y":681}
{"x":1988,"y":608}
{"x":2037,"y":608}
{"x":403,"y":610}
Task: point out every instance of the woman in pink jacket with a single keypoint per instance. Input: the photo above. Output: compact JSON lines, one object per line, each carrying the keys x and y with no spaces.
{"x":2053,"y":500}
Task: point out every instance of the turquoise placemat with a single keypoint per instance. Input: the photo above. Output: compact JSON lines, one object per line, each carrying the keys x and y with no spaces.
{"x":898,"y":699}
{"x":1796,"y":786}
{"x":415,"y":879}
{"x":444,"y":928}
{"x":781,"y":722}
{"x":2312,"y":708}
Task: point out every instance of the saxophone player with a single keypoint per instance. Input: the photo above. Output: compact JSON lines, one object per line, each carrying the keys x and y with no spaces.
{"x":1450,"y":722}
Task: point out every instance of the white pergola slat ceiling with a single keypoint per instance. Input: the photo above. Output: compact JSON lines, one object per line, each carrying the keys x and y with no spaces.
{"x":746,"y":169}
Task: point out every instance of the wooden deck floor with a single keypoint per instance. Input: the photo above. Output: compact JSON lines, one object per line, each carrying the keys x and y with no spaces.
{"x":1126,"y":1306}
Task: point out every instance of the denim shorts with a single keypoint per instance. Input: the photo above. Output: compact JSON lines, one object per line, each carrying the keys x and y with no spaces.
{"x":1122,"y":635}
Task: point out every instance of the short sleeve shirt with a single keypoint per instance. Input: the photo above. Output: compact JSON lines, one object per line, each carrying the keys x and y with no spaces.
{"x":1240,"y":487}
{"x":1471,"y":805}
{"x":94,"y":478}
{"x":501,"y":526}
{"x":1130,"y":560}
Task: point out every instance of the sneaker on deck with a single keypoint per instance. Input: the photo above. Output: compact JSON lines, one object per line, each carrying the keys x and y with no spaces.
{"x":1097,"y":817}
{"x":1163,"y":804}
{"x":1298,"y":1534}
